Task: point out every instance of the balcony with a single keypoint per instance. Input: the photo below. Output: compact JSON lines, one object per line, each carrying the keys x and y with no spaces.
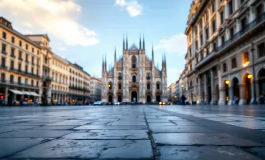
{"x":13,"y":56}
{"x":47,"y":77}
{"x":19,"y":58}
{"x":79,"y":88}
{"x":248,"y":27}
{"x":12,"y":83}
{"x":4,"y":52}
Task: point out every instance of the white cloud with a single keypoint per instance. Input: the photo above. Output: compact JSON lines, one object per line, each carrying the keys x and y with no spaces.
{"x":56,"y":18}
{"x":61,"y":49}
{"x":132,"y":7}
{"x":175,"y":44}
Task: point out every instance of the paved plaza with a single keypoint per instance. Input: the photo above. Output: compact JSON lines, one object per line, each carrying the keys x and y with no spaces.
{"x":133,"y":132}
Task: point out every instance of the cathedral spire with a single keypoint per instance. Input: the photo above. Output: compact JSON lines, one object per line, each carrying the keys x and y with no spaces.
{"x":102,"y":64}
{"x":143,"y":43}
{"x":123,"y":43}
{"x":153,"y":57}
{"x":126,"y":42}
{"x":140,"y":43}
{"x":105,"y":63}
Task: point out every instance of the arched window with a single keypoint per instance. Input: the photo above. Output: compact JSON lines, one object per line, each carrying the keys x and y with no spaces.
{"x":120,"y":76}
{"x":133,"y":78}
{"x":148,"y":85}
{"x":157,"y":85}
{"x":119,"y":85}
{"x":110,"y":86}
{"x":148,"y":77}
{"x":133,"y":62}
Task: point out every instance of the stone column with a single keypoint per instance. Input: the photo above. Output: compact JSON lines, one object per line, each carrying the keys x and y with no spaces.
{"x":222,"y":100}
{"x":231,"y":95}
{"x":205,"y":89}
{"x":242,"y":90}
{"x":252,"y":92}
{"x":6,"y":94}
{"x":200,"y":90}
{"x":213,"y":90}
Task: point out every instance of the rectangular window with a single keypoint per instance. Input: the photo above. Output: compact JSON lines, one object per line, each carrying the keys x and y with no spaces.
{"x":202,"y":56}
{"x":32,"y":83}
{"x":213,"y":26}
{"x":232,"y":33}
{"x":20,"y":44}
{"x":234,"y":65}
{"x":245,"y":58}
{"x":3,"y":64}
{"x":32,"y":50}
{"x":19,"y":80}
{"x":259,"y":12}
{"x":222,"y":17}
{"x":12,"y":52}
{"x":19,"y":67}
{"x":13,"y":39}
{"x":27,"y":57}
{"x":243,"y":24}
{"x":12,"y":65}
{"x":4,"y":48}
{"x":27,"y":47}
{"x":32,"y":60}
{"x":224,"y":67}
{"x":26,"y":81}
{"x":11,"y":79}
{"x":223,"y":40}
{"x":37,"y":83}
{"x":201,"y":39}
{"x":230,"y":6}
{"x":26,"y":69}
{"x":214,"y":46}
{"x":196,"y":44}
{"x":4,"y":35}
{"x":37,"y":72}
{"x":20,"y":55}
{"x":261,"y":50}
{"x":32,"y":70}
{"x":206,"y":33}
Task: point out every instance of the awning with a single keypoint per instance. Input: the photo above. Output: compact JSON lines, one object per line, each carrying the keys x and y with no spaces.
{"x":27,"y":93}
{"x":34,"y":94}
{"x":16,"y":91}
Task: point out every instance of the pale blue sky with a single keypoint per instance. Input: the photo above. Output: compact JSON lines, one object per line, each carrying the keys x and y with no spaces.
{"x":84,"y":30}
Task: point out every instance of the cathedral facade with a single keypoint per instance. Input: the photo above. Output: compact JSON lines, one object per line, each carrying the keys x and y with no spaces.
{"x":134,"y":77}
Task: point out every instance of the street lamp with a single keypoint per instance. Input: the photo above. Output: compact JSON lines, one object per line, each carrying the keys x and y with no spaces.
{"x":254,"y":75}
{"x":182,"y":86}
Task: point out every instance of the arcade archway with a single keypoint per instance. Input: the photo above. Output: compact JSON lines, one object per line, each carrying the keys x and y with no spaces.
{"x":134,"y":96}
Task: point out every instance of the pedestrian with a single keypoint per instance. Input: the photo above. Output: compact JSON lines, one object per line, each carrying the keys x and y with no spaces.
{"x":21,"y":101}
{"x":183,"y":99}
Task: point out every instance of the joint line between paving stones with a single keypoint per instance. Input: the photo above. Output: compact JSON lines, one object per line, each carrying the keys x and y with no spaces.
{"x":156,"y":153}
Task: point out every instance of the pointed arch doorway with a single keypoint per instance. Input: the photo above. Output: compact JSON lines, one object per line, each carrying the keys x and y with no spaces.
{"x":134,"y":96}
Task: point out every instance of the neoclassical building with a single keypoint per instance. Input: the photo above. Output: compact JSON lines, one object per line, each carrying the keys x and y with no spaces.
{"x":134,"y":75}
{"x":30,"y":70}
{"x":222,"y":35}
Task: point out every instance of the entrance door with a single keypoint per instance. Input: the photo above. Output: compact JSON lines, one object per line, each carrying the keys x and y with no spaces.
{"x":158,"y":98}
{"x":148,"y":99}
{"x":119,"y":98}
{"x":134,"y":96}
{"x":110,"y":98}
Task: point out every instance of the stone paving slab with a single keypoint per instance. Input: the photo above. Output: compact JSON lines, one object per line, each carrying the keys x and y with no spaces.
{"x":127,"y":123}
{"x":180,"y":129}
{"x":202,"y":139}
{"x":35,"y":134}
{"x":132,"y":149}
{"x":203,"y":153}
{"x":185,"y":123}
{"x":12,"y":145}
{"x":49,"y":127}
{"x":13,"y":128}
{"x":117,"y":127}
{"x":259,"y":151}
{"x":109,"y":134}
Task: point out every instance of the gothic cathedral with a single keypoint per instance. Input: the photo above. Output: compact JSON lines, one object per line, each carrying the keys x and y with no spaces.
{"x":134,"y":77}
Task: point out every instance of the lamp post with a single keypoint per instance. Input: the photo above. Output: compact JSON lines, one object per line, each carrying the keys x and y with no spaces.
{"x":182,"y":86}
{"x":254,"y":75}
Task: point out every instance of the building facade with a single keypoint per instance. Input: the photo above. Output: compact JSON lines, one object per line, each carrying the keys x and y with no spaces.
{"x":95,"y":88}
{"x":134,"y":77}
{"x":30,"y":71}
{"x":222,"y":35}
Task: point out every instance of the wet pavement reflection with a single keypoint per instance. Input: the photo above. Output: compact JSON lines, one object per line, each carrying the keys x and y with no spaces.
{"x":133,"y":132}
